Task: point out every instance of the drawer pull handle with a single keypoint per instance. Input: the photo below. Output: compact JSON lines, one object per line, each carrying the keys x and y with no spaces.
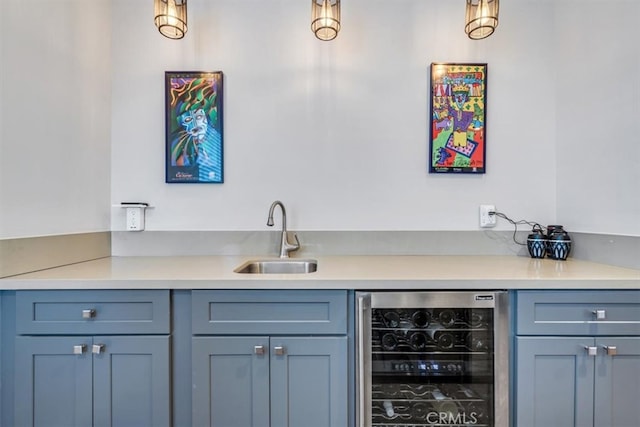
{"x":88,"y":314}
{"x":259,"y":350}
{"x":591,"y":351}
{"x":600,"y":314}
{"x":79,"y":349}
{"x":611,"y":350}
{"x":97,"y":348}
{"x":279,"y":350}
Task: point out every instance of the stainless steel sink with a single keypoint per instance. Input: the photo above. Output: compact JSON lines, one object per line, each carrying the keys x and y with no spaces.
{"x":278,"y":266}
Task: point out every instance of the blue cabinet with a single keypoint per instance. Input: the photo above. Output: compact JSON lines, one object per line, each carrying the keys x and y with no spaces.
{"x":54,"y":386}
{"x":230,"y":381}
{"x":92,"y":312}
{"x":309,"y":382}
{"x":69,"y":370}
{"x":555,"y":378}
{"x":295,"y":375}
{"x":577,"y":358}
{"x":221,"y":312}
{"x":617,"y":382}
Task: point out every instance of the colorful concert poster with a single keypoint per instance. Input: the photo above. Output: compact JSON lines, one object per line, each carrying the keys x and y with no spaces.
{"x":457,"y":142}
{"x":193,"y":104}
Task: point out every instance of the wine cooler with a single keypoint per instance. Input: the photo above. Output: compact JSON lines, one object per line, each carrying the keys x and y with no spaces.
{"x":432,"y":359}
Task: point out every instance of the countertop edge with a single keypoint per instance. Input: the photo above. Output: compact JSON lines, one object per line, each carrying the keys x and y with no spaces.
{"x":391,"y":285}
{"x":392,"y":272}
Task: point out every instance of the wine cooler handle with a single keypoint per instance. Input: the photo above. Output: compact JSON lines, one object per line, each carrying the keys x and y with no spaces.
{"x":361,"y":373}
{"x":591,"y":350}
{"x":611,"y":350}
{"x":362,"y":352}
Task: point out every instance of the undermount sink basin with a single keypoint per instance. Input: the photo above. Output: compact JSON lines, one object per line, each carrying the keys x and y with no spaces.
{"x":278,"y":266}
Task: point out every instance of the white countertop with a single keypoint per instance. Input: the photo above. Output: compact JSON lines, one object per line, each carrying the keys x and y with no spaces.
{"x":334,"y":272}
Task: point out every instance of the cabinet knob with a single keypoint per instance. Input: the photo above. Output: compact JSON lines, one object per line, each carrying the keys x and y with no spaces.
{"x":591,"y":351}
{"x":79,"y":349}
{"x":259,"y":350}
{"x":97,"y":348}
{"x":611,"y":350}
{"x":600,"y":314}
{"x":88,"y":314}
{"x":279,"y":350}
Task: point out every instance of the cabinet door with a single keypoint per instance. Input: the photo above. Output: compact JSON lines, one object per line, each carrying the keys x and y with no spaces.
{"x":309,"y":382}
{"x":131,"y":381}
{"x":554,"y":382}
{"x":230,"y":381}
{"x":53,"y":386}
{"x":617,"y":383}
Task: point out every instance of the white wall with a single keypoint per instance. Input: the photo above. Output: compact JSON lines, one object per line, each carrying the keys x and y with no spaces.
{"x":55,"y":104}
{"x":598,"y":93}
{"x":337,"y":130}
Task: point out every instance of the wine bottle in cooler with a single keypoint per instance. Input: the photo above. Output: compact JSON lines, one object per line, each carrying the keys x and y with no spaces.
{"x":475,"y":319}
{"x":419,"y":411}
{"x":418,"y":341}
{"x":389,"y":341}
{"x":443,"y":404}
{"x":474,"y":412}
{"x":420,"y":319}
{"x":446,"y":317}
{"x":391,"y":319}
{"x":474,"y":407}
{"x":443,"y":339}
{"x":388,"y":408}
{"x":478,"y":341}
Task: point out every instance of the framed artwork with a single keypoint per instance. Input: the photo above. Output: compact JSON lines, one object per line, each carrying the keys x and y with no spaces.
{"x":193,"y":108}
{"x":457,"y":138}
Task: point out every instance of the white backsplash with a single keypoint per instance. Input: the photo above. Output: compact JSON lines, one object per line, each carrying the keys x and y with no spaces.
{"x":623,"y":251}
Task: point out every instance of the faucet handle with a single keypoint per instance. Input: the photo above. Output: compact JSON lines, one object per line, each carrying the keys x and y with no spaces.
{"x":297,"y":244}
{"x":289,"y":247}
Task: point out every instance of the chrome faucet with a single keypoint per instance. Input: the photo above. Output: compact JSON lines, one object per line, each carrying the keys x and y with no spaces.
{"x":285,"y":246}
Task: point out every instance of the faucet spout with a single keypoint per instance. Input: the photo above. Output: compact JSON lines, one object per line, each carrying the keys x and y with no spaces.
{"x":285,"y":246}
{"x":284,"y":214}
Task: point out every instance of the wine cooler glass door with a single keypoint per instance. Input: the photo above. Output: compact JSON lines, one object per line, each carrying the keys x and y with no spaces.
{"x":429,"y":359}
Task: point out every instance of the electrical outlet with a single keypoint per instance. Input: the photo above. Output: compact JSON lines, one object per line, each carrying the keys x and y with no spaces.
{"x":487,"y":219}
{"x":135,"y":218}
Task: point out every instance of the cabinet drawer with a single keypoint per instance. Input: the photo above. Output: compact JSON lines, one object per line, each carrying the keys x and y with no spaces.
{"x":93,"y":312}
{"x":269,"y":312}
{"x":578,"y":312}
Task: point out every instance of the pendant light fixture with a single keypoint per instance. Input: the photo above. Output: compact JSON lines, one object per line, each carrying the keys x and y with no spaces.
{"x":171,"y":17}
{"x":325,"y":18}
{"x":481,"y":18}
